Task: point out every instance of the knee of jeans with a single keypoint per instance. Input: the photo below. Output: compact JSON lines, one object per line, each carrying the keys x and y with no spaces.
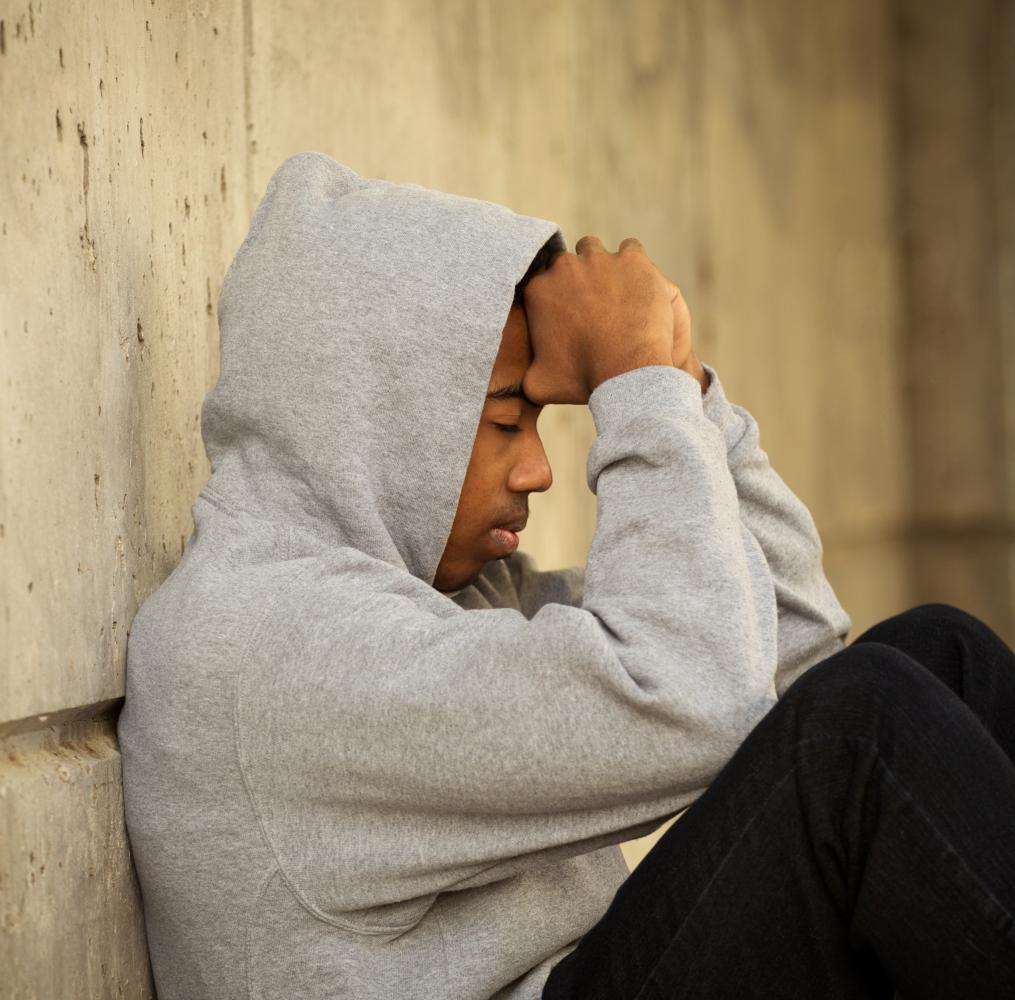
{"x":862,"y":673}
{"x":934,"y":616}
{"x":939,"y":611}
{"x":955,"y":620}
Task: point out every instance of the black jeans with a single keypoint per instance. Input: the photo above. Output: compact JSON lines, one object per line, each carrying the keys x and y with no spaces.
{"x":859,"y":843}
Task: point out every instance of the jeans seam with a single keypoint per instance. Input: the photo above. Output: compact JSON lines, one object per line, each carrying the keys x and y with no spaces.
{"x":782,"y":780}
{"x":775,"y":788}
{"x":928,"y":822}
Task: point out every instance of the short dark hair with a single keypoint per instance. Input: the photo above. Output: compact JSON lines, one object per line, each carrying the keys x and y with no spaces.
{"x":542,"y":260}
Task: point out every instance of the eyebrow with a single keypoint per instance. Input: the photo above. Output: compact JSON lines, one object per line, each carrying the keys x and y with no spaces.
{"x":512,"y":392}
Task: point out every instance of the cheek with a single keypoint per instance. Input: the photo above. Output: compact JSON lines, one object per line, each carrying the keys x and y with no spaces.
{"x":479,"y":497}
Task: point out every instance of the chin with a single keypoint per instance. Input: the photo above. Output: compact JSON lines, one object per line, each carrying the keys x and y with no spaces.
{"x":475,"y":576}
{"x":459,"y":582}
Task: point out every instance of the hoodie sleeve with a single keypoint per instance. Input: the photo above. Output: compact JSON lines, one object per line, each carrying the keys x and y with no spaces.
{"x":812,"y":623}
{"x":392,"y":752}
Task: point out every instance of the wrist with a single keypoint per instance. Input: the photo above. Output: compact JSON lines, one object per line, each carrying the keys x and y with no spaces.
{"x":694,"y":367}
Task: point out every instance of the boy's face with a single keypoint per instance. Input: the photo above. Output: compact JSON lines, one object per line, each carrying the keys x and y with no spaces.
{"x":507,"y":464}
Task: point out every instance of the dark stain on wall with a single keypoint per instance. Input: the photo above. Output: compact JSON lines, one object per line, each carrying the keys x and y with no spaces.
{"x":59,"y":126}
{"x":83,"y":139}
{"x":60,"y":51}
{"x":86,"y":239}
{"x":140,"y":122}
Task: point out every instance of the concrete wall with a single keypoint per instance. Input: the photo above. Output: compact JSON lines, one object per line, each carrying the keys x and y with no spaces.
{"x":956,"y":179}
{"x":122,"y":199}
{"x":825,"y":182}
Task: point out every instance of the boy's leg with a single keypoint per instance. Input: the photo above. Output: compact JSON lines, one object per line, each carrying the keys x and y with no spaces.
{"x":858,"y":842}
{"x":965,"y":654}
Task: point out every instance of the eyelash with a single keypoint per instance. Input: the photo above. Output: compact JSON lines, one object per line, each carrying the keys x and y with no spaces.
{"x":508,"y":428}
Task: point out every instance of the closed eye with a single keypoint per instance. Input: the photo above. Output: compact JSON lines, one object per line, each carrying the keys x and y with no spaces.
{"x":508,"y":428}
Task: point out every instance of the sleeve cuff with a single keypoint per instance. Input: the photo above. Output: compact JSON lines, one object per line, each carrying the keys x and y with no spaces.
{"x":654,"y":387}
{"x":718,"y":409}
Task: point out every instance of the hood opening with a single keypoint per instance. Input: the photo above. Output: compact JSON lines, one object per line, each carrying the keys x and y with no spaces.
{"x":359,"y":324}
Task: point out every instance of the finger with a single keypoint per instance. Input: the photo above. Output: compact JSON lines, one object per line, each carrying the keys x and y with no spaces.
{"x":589,"y":244}
{"x":630,"y":243}
{"x":673,"y":289}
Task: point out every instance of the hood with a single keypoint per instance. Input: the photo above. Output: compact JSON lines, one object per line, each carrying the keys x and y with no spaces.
{"x":359,"y":323}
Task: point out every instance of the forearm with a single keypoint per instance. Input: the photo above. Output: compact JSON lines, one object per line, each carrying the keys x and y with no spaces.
{"x":812,"y":622}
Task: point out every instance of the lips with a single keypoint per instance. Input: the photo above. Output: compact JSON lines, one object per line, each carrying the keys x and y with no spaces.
{"x":515,"y":526}
{"x":505,"y":539}
{"x":505,"y":536}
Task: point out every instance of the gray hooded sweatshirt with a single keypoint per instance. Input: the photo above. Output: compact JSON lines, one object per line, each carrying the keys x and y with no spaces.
{"x":342,"y":783}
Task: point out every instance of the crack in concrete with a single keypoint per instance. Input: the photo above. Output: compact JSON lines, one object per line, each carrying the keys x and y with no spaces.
{"x":86,"y":238}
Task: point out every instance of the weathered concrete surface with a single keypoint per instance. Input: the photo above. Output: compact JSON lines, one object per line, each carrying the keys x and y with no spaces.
{"x":121,"y":202}
{"x":801,"y":268}
{"x":69,"y":903}
{"x":957,"y":203}
{"x":121,"y":136}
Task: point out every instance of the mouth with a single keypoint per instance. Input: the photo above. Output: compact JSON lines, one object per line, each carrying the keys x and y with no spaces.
{"x":517,"y":525}
{"x":505,"y":539}
{"x":505,"y":536}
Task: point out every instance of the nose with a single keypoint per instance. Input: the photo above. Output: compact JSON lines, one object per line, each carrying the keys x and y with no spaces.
{"x":532,"y":472}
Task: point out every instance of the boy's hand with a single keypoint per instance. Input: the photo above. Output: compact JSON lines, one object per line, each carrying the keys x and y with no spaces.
{"x":595,"y":314}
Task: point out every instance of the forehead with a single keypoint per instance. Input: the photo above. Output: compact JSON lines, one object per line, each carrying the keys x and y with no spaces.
{"x":515,"y":354}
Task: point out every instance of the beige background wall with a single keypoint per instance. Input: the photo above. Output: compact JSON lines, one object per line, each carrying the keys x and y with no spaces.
{"x":830,"y":184}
